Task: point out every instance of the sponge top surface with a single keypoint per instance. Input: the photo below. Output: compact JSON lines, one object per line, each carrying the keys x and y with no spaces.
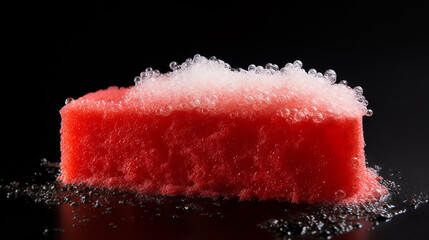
{"x":211,"y":86}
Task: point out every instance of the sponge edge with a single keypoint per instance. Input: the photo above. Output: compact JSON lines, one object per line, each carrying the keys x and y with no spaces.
{"x":206,"y":130}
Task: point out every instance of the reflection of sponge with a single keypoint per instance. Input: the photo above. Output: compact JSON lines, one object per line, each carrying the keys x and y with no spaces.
{"x":204,"y":129}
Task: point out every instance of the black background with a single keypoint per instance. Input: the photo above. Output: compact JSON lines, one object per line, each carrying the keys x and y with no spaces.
{"x":55,"y":51}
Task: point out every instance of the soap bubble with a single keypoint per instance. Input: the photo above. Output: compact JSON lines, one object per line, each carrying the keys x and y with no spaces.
{"x":233,"y":115}
{"x":156,"y":73}
{"x":164,"y":110}
{"x":220,"y":62}
{"x":358,"y":90}
{"x":361,"y":99}
{"x":318,"y":117}
{"x":188,"y":62}
{"x":369,"y":113}
{"x":298,"y":115}
{"x":69,"y":100}
{"x":344,"y":82}
{"x":275,"y":67}
{"x":259,"y":69}
{"x":174,"y":65}
{"x":297,"y":64}
{"x":285,"y":112}
{"x":339,"y":195}
{"x":252,"y":67}
{"x":189,"y":84}
{"x":147,"y":73}
{"x":312,"y":72}
{"x":248,"y":99}
{"x":331,"y":75}
{"x":271,"y":66}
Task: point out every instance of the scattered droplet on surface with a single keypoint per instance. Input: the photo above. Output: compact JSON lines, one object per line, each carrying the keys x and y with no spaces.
{"x":288,"y":220}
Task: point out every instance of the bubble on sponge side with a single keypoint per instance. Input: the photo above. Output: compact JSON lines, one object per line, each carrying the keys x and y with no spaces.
{"x":212,"y":86}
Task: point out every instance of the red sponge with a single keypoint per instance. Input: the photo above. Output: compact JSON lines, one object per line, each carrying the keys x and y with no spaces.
{"x":206,"y":130}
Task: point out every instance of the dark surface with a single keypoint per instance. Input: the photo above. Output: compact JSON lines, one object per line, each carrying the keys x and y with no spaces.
{"x":53,"y":52}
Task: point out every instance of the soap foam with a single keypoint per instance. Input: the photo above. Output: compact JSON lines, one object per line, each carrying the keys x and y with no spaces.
{"x":211,"y":86}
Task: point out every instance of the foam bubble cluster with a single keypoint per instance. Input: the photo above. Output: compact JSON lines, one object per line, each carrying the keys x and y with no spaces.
{"x":213,"y":86}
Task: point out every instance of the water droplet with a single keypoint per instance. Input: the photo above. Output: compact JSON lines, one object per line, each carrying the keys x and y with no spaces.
{"x":297,"y":64}
{"x":205,"y":110}
{"x":344,"y":82}
{"x":340,"y":195}
{"x":298,"y":116}
{"x":197,"y":56}
{"x":331,"y":75}
{"x":213,"y":58}
{"x":233,"y":115}
{"x":285,"y":112}
{"x":69,"y":100}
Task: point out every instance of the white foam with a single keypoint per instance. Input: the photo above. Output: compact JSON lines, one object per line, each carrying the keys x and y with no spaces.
{"x":211,"y":86}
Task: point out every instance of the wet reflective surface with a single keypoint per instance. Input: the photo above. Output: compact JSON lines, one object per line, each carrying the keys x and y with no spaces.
{"x":39,"y":206}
